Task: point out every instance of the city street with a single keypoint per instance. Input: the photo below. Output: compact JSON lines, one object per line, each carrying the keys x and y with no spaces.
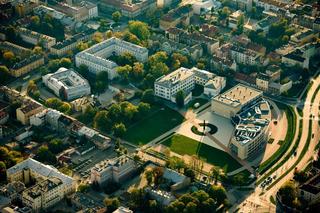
{"x":260,"y":198}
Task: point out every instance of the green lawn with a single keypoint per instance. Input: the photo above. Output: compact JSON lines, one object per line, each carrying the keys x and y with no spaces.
{"x":153,"y":125}
{"x":184,"y":145}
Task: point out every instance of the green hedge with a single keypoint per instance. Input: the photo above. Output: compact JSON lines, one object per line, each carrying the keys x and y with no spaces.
{"x":304,"y":150}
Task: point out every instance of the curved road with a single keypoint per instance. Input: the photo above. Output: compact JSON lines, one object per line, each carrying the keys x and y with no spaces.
{"x":257,"y":200}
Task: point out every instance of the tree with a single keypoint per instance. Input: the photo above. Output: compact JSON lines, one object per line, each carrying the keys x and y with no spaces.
{"x":119,"y":129}
{"x":143,"y":109}
{"x":4,"y":73}
{"x":116,"y":16}
{"x":126,"y":58}
{"x":159,"y":69}
{"x":88,"y":114}
{"x":37,"y":50}
{"x":83,"y":188}
{"x":114,"y":113}
{"x":101,"y":83}
{"x":128,"y":111}
{"x":65,"y":62}
{"x":153,"y":206}
{"x":224,"y":13}
{"x":191,"y":208}
{"x":190,"y":173}
{"x":175,"y":163}
{"x":97,"y":37}
{"x":157,"y":175}
{"x":131,"y":38}
{"x":65,"y":108}
{"x":124,"y":72}
{"x":218,"y":193}
{"x":54,"y":65}
{"x":53,"y":103}
{"x":112,"y":204}
{"x":240,"y":24}
{"x":148,"y":96}
{"x":137,"y":71}
{"x":44,"y":155}
{"x":57,"y":104}
{"x":180,"y":99}
{"x":32,"y":87}
{"x":8,"y":56}
{"x":288,"y":193}
{"x":238,"y":179}
{"x":149,"y":176}
{"x":108,"y":34}
{"x":140,"y":29}
{"x":149,"y":80}
{"x":137,"y":197}
{"x":101,"y":120}
{"x":82,"y":46}
{"x":35,"y":20}
{"x":178,"y":59}
{"x":215,"y":173}
{"x":158,"y":57}
{"x":55,"y":146}
{"x":3,"y":169}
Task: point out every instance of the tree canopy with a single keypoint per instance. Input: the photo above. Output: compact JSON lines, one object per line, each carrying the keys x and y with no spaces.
{"x":140,"y":29}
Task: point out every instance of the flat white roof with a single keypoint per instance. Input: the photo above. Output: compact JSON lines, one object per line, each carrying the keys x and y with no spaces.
{"x":238,"y":95}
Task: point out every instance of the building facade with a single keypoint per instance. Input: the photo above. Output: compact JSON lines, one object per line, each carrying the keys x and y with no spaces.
{"x":36,"y":38}
{"x":96,"y":57}
{"x":249,"y":113}
{"x":184,"y":79}
{"x":52,"y":187}
{"x":115,"y":170}
{"x":27,"y":110}
{"x":44,"y":194}
{"x":26,"y":65}
{"x":67,"y":84}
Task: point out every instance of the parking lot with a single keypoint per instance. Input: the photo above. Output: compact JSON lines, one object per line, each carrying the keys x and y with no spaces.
{"x":82,"y":164}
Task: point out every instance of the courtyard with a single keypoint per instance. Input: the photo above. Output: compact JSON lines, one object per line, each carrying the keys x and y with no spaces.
{"x":223,"y":125}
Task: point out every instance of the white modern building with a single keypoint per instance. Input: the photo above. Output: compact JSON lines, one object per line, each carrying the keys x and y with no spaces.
{"x":67,"y":84}
{"x":184,"y":79}
{"x":96,"y":57}
{"x":250,"y":114}
{"x":114,"y":170}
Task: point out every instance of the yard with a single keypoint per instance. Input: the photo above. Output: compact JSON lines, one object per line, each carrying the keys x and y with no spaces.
{"x":184,"y":145}
{"x":201,"y":102}
{"x":153,"y":125}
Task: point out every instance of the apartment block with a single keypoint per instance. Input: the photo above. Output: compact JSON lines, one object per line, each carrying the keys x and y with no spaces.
{"x":96,"y":57}
{"x":27,"y":110}
{"x":44,"y":194}
{"x":36,"y":38}
{"x":26,"y":65}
